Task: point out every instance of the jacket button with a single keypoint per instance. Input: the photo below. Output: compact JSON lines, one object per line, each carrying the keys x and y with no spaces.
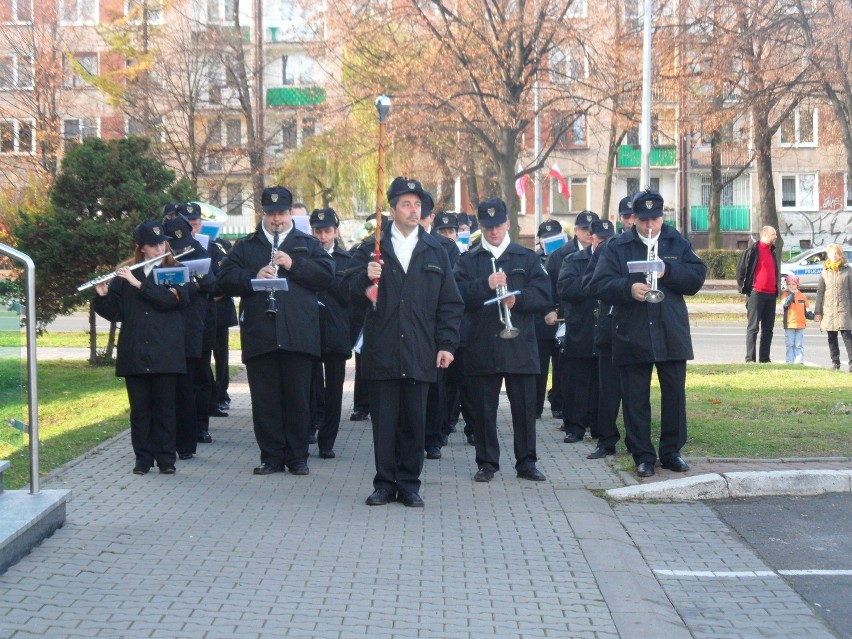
{"x":402,"y":334}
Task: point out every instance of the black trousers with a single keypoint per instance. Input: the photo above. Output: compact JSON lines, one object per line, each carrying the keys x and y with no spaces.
{"x":152,"y":418}
{"x":609,"y":399}
{"x":545,"y":354}
{"x":437,"y":417}
{"x":191,"y":402}
{"x":452,"y":395}
{"x":761,"y":317}
{"x":222,"y":377}
{"x":582,"y":379}
{"x":398,"y":412}
{"x":361,"y":392}
{"x":486,"y":395}
{"x":280,"y":387}
{"x":465,"y":406}
{"x":636,"y":396}
{"x":565,"y":389}
{"x":834,"y":347}
{"x":333,"y":372}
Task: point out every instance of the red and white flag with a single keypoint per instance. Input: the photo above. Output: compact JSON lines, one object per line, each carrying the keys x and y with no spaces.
{"x":562,"y":185}
{"x":521,"y":185}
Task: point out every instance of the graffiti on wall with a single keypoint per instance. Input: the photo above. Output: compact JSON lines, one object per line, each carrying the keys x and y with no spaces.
{"x":817,"y":228}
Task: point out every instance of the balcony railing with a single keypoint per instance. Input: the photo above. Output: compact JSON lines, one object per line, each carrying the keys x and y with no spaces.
{"x":630,"y":156}
{"x":734,"y":217}
{"x":732,"y":156}
{"x":294,"y":96}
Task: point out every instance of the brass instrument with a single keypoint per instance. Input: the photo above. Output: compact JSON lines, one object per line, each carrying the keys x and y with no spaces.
{"x":654,"y":296}
{"x":132,"y":267}
{"x":509,"y":332}
{"x":271,"y":302}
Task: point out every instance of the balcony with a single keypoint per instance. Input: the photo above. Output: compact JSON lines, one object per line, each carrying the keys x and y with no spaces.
{"x":733,"y":156}
{"x":294,"y":96}
{"x":630,"y":156}
{"x":734,"y":217}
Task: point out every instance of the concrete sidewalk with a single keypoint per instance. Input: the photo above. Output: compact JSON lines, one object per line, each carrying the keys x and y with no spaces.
{"x":215,"y":551}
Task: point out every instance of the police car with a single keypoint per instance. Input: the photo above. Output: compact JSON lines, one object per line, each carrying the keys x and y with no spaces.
{"x":808,"y":266}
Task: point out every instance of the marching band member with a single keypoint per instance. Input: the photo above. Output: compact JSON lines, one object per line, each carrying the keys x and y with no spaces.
{"x":279,"y":346}
{"x":545,"y":334}
{"x":150,"y":347}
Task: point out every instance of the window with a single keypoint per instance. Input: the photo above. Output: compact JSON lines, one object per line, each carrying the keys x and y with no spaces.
{"x":234,"y":131}
{"x":568,"y":64}
{"x":578,"y":194}
{"x":298,"y":69}
{"x":16,"y":72}
{"x":16,"y":136}
{"x":16,"y":10}
{"x":215,"y":164}
{"x":234,"y":205}
{"x":144,"y":11}
{"x":154,"y":130}
{"x":578,"y":9}
{"x":800,"y":128}
{"x":799,"y":191}
{"x":221,"y":11}
{"x":633,"y":185}
{"x":87,"y":61}
{"x":288,"y":134}
{"x":78,"y":129}
{"x":308,"y":128}
{"x":571,"y":130}
{"x":78,"y":11}
{"x":847,"y":189}
{"x":287,"y":78}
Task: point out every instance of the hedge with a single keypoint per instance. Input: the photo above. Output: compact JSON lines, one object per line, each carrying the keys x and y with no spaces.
{"x":721,"y":264}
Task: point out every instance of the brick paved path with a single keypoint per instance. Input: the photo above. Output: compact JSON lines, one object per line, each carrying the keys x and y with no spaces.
{"x":217,"y":552}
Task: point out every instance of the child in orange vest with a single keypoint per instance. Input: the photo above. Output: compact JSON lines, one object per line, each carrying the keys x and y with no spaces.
{"x":796,"y":314}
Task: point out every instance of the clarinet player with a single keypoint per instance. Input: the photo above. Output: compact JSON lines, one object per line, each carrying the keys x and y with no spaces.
{"x":279,"y":329}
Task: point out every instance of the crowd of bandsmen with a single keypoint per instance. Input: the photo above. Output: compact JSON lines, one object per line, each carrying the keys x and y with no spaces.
{"x":438,"y":328}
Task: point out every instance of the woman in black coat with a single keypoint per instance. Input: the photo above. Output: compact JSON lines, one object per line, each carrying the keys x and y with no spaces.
{"x":150,"y":346}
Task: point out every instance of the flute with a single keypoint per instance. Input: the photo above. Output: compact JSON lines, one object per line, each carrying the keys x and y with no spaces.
{"x":132,"y":267}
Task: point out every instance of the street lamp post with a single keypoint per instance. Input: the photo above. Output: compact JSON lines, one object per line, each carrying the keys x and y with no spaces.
{"x":383,"y":104}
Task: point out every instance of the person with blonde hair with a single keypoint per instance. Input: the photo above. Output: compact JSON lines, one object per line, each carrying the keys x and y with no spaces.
{"x":833,"y":309}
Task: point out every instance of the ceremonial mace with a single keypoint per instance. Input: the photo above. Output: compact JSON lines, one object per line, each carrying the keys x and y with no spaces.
{"x":383,"y":104}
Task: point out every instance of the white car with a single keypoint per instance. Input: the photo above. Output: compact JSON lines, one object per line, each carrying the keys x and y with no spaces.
{"x":808,"y":266}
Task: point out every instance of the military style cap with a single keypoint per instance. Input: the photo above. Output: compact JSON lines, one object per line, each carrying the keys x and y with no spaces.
{"x":463,"y":218}
{"x":491,"y":212}
{"x":427,"y":205}
{"x":602,"y":228}
{"x":625,"y":206}
{"x":648,"y":204}
{"x":150,"y":233}
{"x":548,"y":228}
{"x":324,"y":218}
{"x":190,"y":210}
{"x":276,"y":198}
{"x":179,"y":230}
{"x":446,"y":221}
{"x":402,"y":185}
{"x":169,"y":210}
{"x":584,"y":219}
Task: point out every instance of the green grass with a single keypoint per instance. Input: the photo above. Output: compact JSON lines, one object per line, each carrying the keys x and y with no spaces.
{"x":77,"y":339}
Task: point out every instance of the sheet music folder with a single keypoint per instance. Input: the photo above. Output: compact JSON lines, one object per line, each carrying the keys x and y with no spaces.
{"x":646,"y":266}
{"x":271,"y":284}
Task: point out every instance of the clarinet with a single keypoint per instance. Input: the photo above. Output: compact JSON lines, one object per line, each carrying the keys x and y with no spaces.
{"x":271,"y":302}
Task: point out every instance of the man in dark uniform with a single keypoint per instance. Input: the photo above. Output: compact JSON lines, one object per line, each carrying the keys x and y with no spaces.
{"x":490,"y":359}
{"x":651,"y":335}
{"x":545,"y":333}
{"x":334,"y":330}
{"x":410,"y":333}
{"x":279,"y":348}
{"x":625,"y":213}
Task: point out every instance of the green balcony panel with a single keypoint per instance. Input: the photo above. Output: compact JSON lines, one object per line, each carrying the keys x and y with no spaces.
{"x":295,"y":96}
{"x":735,"y":217}
{"x":630,"y":156}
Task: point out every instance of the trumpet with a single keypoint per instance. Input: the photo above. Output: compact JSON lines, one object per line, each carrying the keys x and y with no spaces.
{"x":132,"y":267}
{"x":271,"y":302}
{"x":655,"y":295}
{"x":509,"y":332}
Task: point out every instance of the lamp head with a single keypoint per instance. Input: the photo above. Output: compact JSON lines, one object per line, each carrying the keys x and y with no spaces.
{"x":383,"y":104}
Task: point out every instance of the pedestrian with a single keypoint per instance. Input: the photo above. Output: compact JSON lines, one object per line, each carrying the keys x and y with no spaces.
{"x":150,"y":348}
{"x":545,"y":333}
{"x":833,"y":308}
{"x":492,"y":355}
{"x":758,"y":277}
{"x":795,"y":314}
{"x":648,"y":336}
{"x":410,"y":332}
{"x":279,"y":328}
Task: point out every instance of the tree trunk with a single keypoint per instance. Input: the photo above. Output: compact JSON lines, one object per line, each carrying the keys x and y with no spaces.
{"x":765,"y":185}
{"x":714,"y":227}
{"x":93,"y":334}
{"x":611,"y":156}
{"x":472,"y":189}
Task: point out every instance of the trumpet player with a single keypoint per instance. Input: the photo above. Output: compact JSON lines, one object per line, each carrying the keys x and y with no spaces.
{"x":499,"y":265}
{"x":650,"y":335}
{"x":280,"y":329}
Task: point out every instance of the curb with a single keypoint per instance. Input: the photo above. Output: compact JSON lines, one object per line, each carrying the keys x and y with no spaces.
{"x":739,"y":484}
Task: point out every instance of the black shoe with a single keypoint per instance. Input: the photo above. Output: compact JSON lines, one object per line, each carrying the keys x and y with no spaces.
{"x":411,"y":500}
{"x":204,"y":437}
{"x":167,"y":470}
{"x":185,"y":456}
{"x":267,"y":469}
{"x":326,"y":454}
{"x":484,"y":475}
{"x":358,"y":416}
{"x":433,"y":452}
{"x":675,"y":463}
{"x":312,"y":438}
{"x":572,"y":438}
{"x":557,"y":414}
{"x":470,"y":440}
{"x":218,"y":413}
{"x":141,"y":469}
{"x":225,"y":404}
{"x":299,"y":468}
{"x":645,"y":469}
{"x":532,"y":474}
{"x":600,"y":452}
{"x":380,"y":497}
